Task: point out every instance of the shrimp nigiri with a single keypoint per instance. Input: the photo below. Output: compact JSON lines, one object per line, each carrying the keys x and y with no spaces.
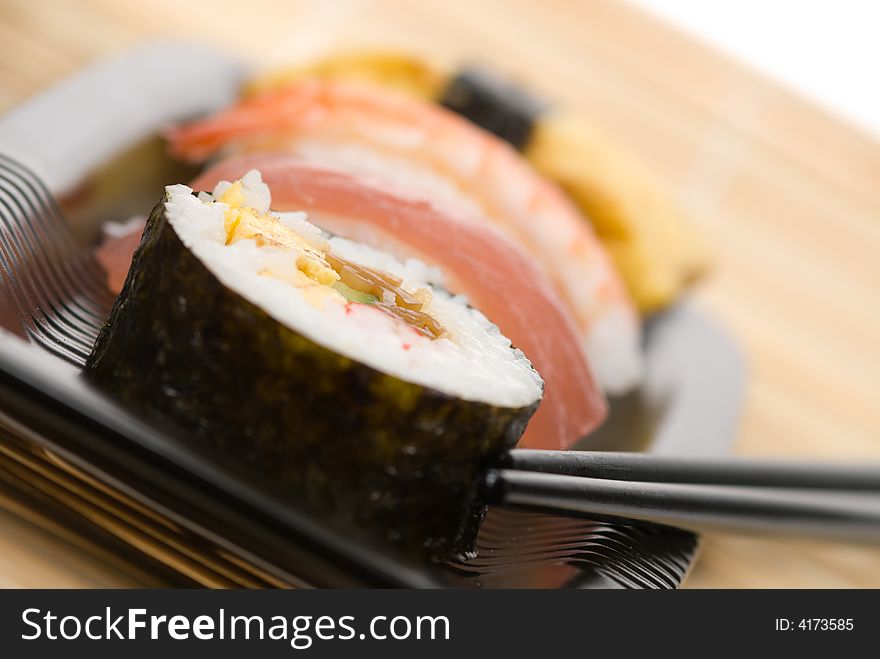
{"x":436,"y":155}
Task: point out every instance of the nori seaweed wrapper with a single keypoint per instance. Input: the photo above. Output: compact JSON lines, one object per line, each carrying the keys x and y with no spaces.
{"x":494,"y":105}
{"x":334,"y":436}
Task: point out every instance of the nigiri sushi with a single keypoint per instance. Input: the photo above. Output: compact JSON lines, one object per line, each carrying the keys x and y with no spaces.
{"x":654,"y":244}
{"x":431,"y":153}
{"x":333,"y":373}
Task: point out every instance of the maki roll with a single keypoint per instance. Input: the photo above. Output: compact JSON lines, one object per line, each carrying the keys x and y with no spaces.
{"x":349,"y":381}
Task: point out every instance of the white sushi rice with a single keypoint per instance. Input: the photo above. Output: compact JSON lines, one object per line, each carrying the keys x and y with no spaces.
{"x":474,"y":361}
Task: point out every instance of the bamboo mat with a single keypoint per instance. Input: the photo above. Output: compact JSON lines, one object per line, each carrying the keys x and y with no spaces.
{"x":789,"y":197}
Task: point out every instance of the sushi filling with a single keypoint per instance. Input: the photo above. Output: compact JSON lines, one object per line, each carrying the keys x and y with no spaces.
{"x":356,"y":283}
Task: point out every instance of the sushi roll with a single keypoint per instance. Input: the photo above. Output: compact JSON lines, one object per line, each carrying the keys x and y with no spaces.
{"x":351,"y":382}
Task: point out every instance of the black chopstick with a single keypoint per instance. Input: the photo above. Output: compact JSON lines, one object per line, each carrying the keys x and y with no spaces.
{"x":851,"y":516}
{"x":663,"y":469}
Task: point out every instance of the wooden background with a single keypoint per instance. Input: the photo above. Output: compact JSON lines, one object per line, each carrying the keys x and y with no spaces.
{"x":788,"y":195}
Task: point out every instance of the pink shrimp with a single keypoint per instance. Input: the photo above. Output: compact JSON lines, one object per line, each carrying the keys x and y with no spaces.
{"x":429,"y":152}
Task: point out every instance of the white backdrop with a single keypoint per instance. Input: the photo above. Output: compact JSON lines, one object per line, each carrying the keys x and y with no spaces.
{"x":828,"y":50}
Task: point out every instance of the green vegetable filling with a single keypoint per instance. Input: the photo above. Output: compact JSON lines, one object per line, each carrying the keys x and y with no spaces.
{"x":352,"y":295}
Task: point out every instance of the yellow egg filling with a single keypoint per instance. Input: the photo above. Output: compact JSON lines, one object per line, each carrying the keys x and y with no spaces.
{"x":337,"y":276}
